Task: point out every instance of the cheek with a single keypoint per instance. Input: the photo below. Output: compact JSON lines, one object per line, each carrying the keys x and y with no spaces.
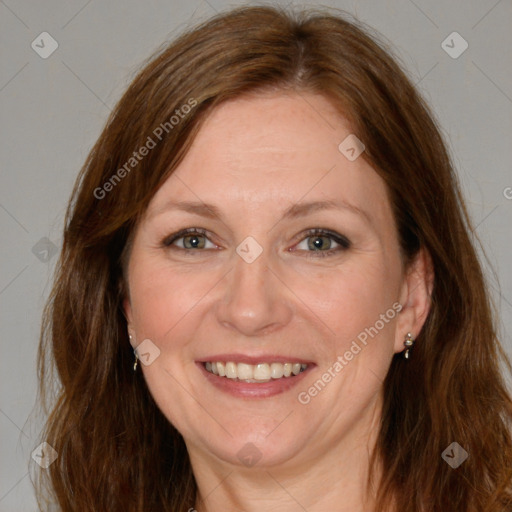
{"x":360,"y":307}
{"x":353,"y":299}
{"x":162,"y":299}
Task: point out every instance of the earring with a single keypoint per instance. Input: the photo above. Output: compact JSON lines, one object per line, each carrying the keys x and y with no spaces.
{"x":135,"y":352}
{"x":409,"y":342}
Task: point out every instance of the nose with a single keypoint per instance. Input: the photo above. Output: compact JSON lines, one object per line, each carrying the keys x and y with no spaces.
{"x":255,"y":301}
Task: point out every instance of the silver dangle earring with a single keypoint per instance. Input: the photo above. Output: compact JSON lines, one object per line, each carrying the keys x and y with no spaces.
{"x":409,"y":342}
{"x":135,"y":353}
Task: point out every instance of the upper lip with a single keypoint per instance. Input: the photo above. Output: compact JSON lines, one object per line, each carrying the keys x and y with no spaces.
{"x":264,"y":358}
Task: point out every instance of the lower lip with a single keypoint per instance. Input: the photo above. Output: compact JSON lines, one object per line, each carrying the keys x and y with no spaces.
{"x":253,"y":389}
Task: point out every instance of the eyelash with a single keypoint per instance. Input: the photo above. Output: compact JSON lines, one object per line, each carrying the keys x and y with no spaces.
{"x":341,"y":240}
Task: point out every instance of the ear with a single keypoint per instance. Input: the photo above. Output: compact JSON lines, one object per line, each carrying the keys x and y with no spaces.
{"x":127,"y":308}
{"x":415,"y":297}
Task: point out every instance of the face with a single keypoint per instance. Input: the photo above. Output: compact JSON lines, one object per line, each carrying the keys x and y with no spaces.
{"x":266,"y":283}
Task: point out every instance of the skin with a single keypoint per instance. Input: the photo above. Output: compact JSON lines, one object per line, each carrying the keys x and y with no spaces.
{"x":253,"y":158}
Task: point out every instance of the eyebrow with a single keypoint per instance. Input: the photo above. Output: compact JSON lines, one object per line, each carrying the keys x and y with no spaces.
{"x":295,"y":211}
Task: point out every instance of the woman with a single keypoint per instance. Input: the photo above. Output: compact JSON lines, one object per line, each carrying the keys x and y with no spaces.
{"x":263,"y":300}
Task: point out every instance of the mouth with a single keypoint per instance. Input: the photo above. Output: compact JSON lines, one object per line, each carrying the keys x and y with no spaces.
{"x":248,"y":377}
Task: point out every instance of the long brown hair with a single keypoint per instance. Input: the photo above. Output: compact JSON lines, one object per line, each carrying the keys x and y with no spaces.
{"x":116,"y":450}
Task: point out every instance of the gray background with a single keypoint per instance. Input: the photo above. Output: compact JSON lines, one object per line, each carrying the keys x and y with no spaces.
{"x":53,"y":110}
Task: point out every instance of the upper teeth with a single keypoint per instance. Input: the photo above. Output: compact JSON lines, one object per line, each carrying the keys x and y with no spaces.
{"x":254,"y":372}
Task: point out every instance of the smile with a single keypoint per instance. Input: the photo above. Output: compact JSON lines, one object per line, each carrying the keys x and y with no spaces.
{"x":254,"y":373}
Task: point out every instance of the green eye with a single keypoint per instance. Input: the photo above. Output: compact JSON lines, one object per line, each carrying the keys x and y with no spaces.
{"x":319,"y":239}
{"x":192,"y":237}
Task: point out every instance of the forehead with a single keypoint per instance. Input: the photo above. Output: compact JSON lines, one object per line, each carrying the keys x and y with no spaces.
{"x":263,"y":153}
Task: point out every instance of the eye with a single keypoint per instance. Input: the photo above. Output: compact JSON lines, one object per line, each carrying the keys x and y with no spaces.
{"x":321,"y":239}
{"x":193,"y":238}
